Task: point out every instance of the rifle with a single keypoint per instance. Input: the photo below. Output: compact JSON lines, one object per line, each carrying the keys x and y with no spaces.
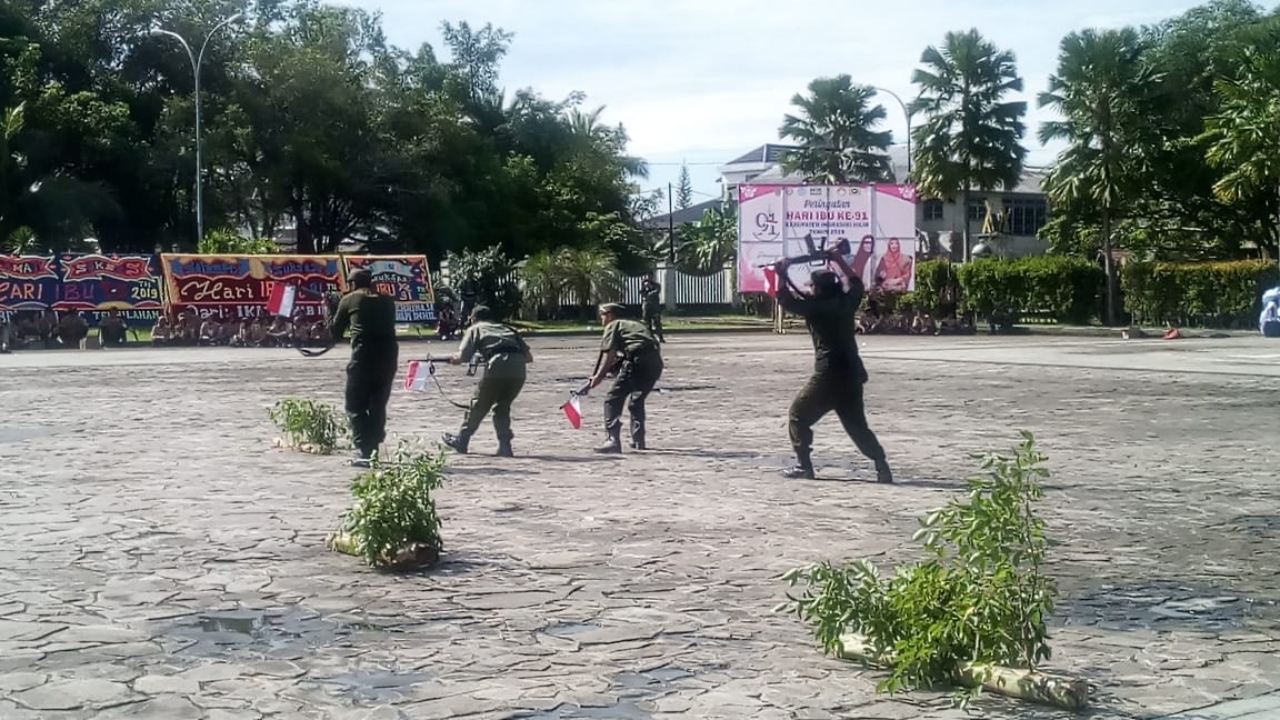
{"x":814,"y":254}
{"x":432,"y":361}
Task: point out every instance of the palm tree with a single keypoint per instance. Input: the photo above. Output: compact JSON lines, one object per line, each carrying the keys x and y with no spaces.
{"x":544,"y":284}
{"x":835,"y":131}
{"x":971,"y":138}
{"x":591,"y":273}
{"x":1242,"y":137}
{"x":1101,"y":90}
{"x":593,"y":134}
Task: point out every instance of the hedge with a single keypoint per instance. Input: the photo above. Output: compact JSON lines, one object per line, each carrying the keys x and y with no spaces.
{"x":1071,"y":290}
{"x":1213,"y":294}
{"x":1067,"y":289}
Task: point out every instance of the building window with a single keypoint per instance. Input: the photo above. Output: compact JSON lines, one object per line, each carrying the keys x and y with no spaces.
{"x":977,"y":209}
{"x":932,"y":210}
{"x":1025,"y":215}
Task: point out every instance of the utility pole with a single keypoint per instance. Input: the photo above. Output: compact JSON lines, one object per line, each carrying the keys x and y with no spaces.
{"x":196,"y":61}
{"x":671,"y":227}
{"x":906,"y":113}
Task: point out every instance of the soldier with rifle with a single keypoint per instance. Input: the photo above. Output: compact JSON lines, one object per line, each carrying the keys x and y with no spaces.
{"x":628,"y":348}
{"x":505,"y":355}
{"x":371,"y":318}
{"x":830,"y":313}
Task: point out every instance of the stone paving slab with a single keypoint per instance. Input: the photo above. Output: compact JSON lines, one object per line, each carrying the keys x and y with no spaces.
{"x":1263,"y":707}
{"x":158,"y":559}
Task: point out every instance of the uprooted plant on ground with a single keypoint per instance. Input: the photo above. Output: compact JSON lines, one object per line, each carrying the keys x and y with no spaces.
{"x":981,"y":599}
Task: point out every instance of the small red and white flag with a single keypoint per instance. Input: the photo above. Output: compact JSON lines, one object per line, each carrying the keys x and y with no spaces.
{"x":416,"y":376}
{"x":281,"y":301}
{"x":573,"y":411}
{"x":770,"y":280}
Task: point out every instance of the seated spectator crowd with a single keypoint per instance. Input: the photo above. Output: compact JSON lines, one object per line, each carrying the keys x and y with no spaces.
{"x":874,"y":322}
{"x":51,"y":328}
{"x":188,"y":328}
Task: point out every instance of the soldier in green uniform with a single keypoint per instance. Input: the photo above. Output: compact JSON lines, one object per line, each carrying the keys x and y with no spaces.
{"x":838,"y":374}
{"x":651,"y":306}
{"x":505,"y":355}
{"x":371,"y":318}
{"x":631,"y":348}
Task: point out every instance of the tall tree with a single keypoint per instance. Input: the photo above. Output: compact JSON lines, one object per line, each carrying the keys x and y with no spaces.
{"x":1101,"y":90}
{"x":1243,"y":137}
{"x":835,"y":129}
{"x":684,"y":188}
{"x":971,"y":138}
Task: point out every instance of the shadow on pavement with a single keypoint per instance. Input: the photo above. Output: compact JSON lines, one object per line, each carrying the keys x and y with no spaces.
{"x":1163,"y":604}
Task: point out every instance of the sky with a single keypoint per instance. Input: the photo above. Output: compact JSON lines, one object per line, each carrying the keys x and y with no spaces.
{"x":704,"y":81}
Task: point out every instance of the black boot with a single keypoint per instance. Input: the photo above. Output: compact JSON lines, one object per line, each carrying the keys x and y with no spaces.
{"x":883,"y":473}
{"x":803,"y":469}
{"x":458,"y":443}
{"x":611,"y":447}
{"x":504,"y":449}
{"x":637,"y":441}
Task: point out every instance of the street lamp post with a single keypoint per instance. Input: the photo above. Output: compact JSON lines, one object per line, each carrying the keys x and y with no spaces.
{"x":907,"y":114}
{"x":196,"y":61}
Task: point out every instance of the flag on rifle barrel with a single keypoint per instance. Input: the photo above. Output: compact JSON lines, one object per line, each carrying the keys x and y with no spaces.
{"x":573,"y":411}
{"x":282,"y":298}
{"x":770,"y":280}
{"x":416,"y":376}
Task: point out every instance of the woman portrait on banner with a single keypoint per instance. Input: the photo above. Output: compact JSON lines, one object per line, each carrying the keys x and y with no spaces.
{"x":894,"y":270}
{"x":861,"y":262}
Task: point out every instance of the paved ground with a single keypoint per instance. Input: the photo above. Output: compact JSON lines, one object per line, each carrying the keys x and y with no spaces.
{"x":159,"y":560}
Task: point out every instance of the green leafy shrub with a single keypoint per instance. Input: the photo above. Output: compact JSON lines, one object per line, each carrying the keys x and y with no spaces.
{"x":394,"y":508}
{"x":1067,"y":288}
{"x":495,"y":275}
{"x":307,"y":422}
{"x":981,"y":597}
{"x":230,"y":242}
{"x":1213,"y":294}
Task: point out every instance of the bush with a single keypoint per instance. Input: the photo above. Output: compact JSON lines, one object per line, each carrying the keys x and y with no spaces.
{"x":980,"y":598}
{"x":309,"y":422}
{"x":1214,"y":294}
{"x":495,"y":273}
{"x":937,"y":290}
{"x":230,"y":242}
{"x":394,"y":509}
{"x":1066,"y":288}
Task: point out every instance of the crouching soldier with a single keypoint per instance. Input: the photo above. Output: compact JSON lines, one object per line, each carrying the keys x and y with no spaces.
{"x":505,"y":356}
{"x":632,"y":351}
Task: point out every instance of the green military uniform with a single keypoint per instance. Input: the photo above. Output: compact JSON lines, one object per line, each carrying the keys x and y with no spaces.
{"x":505,"y":357}
{"x":640,"y":370}
{"x":651,"y":307}
{"x":371,"y":318}
{"x":838,"y":373}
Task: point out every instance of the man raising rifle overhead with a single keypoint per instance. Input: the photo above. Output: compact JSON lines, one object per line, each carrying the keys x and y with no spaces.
{"x":830,"y":314}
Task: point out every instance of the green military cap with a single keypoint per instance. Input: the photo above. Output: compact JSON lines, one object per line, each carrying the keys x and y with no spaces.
{"x":481,"y":312}
{"x":611,"y":308}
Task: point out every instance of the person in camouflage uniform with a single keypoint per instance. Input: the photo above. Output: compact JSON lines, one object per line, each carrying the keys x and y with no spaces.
{"x":371,"y":373}
{"x":651,"y":306}
{"x":505,"y":355}
{"x":628,"y":347}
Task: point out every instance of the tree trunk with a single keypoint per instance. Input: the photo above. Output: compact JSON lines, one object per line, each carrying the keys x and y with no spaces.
{"x":963,"y":255}
{"x":302,"y":229}
{"x":1108,"y":265}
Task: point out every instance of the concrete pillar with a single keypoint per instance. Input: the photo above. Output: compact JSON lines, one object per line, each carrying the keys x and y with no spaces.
{"x":670,"y":277}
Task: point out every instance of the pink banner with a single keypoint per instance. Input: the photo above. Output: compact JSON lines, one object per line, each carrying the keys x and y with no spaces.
{"x":878,"y":220}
